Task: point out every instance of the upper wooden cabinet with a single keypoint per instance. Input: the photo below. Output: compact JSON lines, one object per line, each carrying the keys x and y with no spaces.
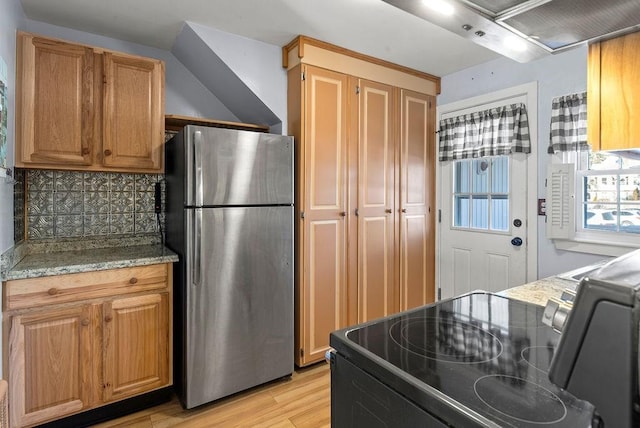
{"x":85,"y":108}
{"x":613,"y":99}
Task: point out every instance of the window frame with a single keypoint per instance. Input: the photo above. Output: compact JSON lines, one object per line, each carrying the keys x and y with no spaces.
{"x":604,"y":242}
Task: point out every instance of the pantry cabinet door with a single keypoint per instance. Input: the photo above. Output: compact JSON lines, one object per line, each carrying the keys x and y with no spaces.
{"x":133,"y":112}
{"x":417,"y":200}
{"x":54,"y":103}
{"x":374,"y":188}
{"x":136,"y":345}
{"x":50,"y":364}
{"x":324,"y":208}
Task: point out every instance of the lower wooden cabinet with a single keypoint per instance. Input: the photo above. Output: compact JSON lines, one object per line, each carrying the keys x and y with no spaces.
{"x":68,"y":357}
{"x":50,"y":366}
{"x":136,"y":349}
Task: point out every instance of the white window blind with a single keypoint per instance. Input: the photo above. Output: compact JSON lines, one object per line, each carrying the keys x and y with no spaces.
{"x":561,"y":201}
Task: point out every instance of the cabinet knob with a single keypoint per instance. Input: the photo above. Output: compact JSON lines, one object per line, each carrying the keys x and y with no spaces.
{"x":133,"y":280}
{"x":107,"y":152}
{"x":85,"y":322}
{"x":52,"y":291}
{"x":388,"y":211}
{"x":108,"y":318}
{"x":343,"y":214}
{"x":85,"y":151}
{"x":404,"y":210}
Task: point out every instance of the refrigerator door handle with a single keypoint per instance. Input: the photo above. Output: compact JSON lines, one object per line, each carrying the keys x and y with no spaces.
{"x":197,"y":243}
{"x":197,"y":154}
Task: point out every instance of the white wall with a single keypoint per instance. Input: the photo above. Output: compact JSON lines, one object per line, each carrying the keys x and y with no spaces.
{"x":11,"y":18}
{"x":556,"y":75}
{"x":184,"y":94}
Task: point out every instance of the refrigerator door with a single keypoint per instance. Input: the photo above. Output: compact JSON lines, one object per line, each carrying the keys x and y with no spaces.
{"x":230,"y":167}
{"x":239,"y":309}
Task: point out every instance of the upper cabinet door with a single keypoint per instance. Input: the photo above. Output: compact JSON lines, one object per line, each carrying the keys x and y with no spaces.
{"x":133,"y":121}
{"x":614,"y":93}
{"x":55,"y":96}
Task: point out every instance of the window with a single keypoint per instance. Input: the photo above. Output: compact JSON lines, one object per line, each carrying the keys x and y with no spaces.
{"x":593,"y":201}
{"x":481,"y":194}
{"x":610,"y":187}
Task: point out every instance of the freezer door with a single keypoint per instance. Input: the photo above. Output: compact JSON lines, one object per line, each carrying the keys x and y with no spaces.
{"x":239,"y":329}
{"x":230,"y":167}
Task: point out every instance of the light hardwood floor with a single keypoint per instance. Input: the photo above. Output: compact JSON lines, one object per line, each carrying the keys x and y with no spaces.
{"x":304,"y":401}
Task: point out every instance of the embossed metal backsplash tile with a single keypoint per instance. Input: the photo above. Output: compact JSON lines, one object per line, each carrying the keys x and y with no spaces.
{"x":65,"y":204}
{"x":18,"y":206}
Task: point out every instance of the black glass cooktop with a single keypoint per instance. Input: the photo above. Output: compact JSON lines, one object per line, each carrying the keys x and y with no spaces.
{"x":481,"y":354}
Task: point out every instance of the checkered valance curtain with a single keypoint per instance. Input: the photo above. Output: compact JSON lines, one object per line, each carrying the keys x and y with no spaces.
{"x":569,"y":123}
{"x":497,"y":131}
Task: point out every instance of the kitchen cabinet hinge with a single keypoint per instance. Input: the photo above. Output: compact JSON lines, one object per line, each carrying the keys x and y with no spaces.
{"x":429,"y":103}
{"x":357,"y":90}
{"x":301,"y":352}
{"x":439,"y":293}
{"x":302,"y":215}
{"x":302,"y":76}
{"x":439,"y":216}
{"x":104,"y":79}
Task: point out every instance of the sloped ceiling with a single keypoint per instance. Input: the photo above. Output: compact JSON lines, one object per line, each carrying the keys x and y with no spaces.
{"x":203,"y":52}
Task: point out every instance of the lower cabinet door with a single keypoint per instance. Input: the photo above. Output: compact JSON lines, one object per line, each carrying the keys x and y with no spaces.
{"x":136,"y":345}
{"x":50,"y":372}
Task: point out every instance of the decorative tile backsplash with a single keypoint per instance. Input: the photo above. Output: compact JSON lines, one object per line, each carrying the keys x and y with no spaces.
{"x":66,"y":204}
{"x":18,"y":206}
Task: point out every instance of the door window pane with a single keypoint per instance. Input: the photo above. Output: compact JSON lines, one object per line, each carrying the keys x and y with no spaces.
{"x":480,"y":175}
{"x":500,"y":175}
{"x":480,"y":212}
{"x":461,"y":181}
{"x":500,"y":213}
{"x":461,"y":211}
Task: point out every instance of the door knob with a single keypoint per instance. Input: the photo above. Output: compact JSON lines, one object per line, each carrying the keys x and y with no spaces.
{"x":516,"y":242}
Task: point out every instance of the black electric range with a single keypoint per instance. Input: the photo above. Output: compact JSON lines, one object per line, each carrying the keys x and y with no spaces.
{"x":478,"y":360}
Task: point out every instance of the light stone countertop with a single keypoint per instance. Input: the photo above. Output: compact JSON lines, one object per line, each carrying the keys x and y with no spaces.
{"x":538,"y":292}
{"x":89,"y":259}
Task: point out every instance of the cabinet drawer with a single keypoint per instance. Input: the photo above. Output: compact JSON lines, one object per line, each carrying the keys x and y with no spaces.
{"x":29,"y":293}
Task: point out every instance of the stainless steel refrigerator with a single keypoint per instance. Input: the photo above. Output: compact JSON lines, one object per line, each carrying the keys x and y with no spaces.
{"x":229,"y":216}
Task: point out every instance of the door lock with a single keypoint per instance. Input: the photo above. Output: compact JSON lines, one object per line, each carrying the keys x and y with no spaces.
{"x":516,"y":242}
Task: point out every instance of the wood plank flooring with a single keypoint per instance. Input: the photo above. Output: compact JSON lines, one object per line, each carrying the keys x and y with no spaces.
{"x":304,"y":401}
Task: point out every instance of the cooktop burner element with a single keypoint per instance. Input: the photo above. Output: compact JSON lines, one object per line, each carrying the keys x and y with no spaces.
{"x":538,"y":357}
{"x":475,"y":360}
{"x":447,"y":340}
{"x":523,"y":402}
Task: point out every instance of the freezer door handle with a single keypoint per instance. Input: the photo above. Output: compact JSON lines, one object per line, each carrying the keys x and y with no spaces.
{"x":197,"y":162}
{"x":197,"y":243}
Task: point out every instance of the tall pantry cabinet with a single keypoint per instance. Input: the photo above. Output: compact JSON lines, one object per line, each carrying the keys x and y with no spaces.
{"x":365,"y":195}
